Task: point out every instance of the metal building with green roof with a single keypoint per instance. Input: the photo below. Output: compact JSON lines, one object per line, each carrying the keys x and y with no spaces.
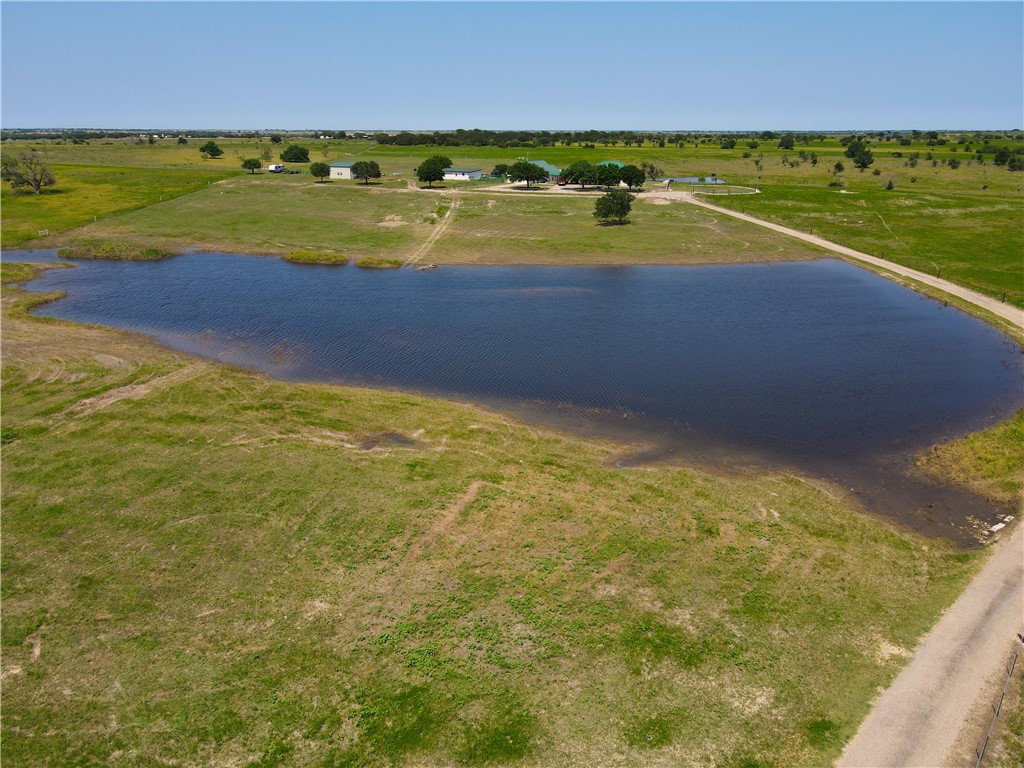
{"x":553,"y":171}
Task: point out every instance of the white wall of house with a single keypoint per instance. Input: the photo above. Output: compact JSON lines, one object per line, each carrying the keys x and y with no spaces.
{"x":463,"y":175}
{"x":341,"y":173}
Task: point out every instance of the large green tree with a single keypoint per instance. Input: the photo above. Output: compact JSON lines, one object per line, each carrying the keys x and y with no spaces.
{"x":526,"y":171}
{"x":295,"y":154}
{"x":863,"y":159}
{"x":210,"y":149}
{"x":320,"y":170}
{"x":632,"y":175}
{"x":615,"y":204}
{"x":581,"y":173}
{"x":432,"y":169}
{"x":252,"y":164}
{"x":366,"y":170}
{"x":608,"y":175}
{"x":27,"y":170}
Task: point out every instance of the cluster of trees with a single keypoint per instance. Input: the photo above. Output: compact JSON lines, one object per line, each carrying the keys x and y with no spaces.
{"x":857,"y":150}
{"x":584,"y":173}
{"x":26,"y":170}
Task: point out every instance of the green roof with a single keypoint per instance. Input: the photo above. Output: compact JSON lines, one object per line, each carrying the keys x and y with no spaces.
{"x":552,"y":170}
{"x":616,"y":163}
{"x":461,"y":170}
{"x":341,"y":164}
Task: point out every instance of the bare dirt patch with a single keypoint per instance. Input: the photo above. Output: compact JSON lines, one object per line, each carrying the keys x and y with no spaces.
{"x":135,"y":391}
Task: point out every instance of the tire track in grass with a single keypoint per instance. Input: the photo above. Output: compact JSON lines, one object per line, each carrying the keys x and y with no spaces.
{"x":439,"y":230}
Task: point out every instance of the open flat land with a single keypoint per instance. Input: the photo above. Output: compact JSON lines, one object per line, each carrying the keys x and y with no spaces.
{"x":203,"y":565}
{"x":207,"y":566}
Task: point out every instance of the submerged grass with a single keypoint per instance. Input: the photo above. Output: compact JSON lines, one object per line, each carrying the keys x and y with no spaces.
{"x":988,"y":462}
{"x":316,"y":257}
{"x":373,"y":262}
{"x":114,"y":252}
{"x":208,"y":566}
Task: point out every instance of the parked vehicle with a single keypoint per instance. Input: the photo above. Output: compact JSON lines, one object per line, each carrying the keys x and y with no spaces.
{"x":276,"y":168}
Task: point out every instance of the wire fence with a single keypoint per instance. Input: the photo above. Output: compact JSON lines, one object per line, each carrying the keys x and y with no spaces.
{"x":722,"y":189}
{"x":999,"y":704}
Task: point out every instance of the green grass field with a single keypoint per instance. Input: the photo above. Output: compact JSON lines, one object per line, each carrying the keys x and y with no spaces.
{"x":279,"y":214}
{"x":501,"y":229}
{"x":206,"y":566}
{"x":83,"y":193}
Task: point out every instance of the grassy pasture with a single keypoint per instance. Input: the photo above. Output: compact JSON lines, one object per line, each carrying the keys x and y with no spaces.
{"x":279,"y":214}
{"x":268,"y":214}
{"x":85,"y":192}
{"x":974,"y":240}
{"x":544,"y":230}
{"x":207,"y":566}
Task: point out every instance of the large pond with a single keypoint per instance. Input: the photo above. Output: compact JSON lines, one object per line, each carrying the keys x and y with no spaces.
{"x":819,"y":366}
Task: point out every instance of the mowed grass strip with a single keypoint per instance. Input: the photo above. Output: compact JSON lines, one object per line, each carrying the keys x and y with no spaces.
{"x":206,"y":566}
{"x":279,"y":214}
{"x":83,"y":193}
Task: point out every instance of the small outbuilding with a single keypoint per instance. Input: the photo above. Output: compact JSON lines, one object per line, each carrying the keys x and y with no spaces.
{"x":462,"y":174}
{"x":341,"y":169}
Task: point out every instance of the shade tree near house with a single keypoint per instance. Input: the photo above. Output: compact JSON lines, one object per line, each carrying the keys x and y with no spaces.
{"x":526,"y":171}
{"x":366,"y":170}
{"x":608,"y":175}
{"x":581,"y":173}
{"x":432,"y":169}
{"x":320,"y":170}
{"x":632,"y":176}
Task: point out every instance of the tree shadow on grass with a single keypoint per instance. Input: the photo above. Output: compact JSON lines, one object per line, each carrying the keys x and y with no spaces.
{"x":622,"y":223}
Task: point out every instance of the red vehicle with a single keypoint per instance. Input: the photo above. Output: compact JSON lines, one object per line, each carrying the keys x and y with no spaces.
{"x":562,"y":182}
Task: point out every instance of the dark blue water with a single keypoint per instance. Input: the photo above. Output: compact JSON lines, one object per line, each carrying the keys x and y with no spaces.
{"x":819,"y":366}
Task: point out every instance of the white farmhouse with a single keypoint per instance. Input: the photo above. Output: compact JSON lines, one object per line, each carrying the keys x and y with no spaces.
{"x":462,"y":174}
{"x":341,"y":170}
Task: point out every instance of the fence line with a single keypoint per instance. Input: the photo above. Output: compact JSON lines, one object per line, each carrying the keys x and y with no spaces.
{"x":999,"y":704}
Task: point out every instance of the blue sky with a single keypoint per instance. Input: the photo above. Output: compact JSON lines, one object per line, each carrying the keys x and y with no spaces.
{"x":714,"y":66}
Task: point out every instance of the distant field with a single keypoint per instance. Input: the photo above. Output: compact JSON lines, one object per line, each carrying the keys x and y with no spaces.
{"x":209,"y":567}
{"x":84,"y":192}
